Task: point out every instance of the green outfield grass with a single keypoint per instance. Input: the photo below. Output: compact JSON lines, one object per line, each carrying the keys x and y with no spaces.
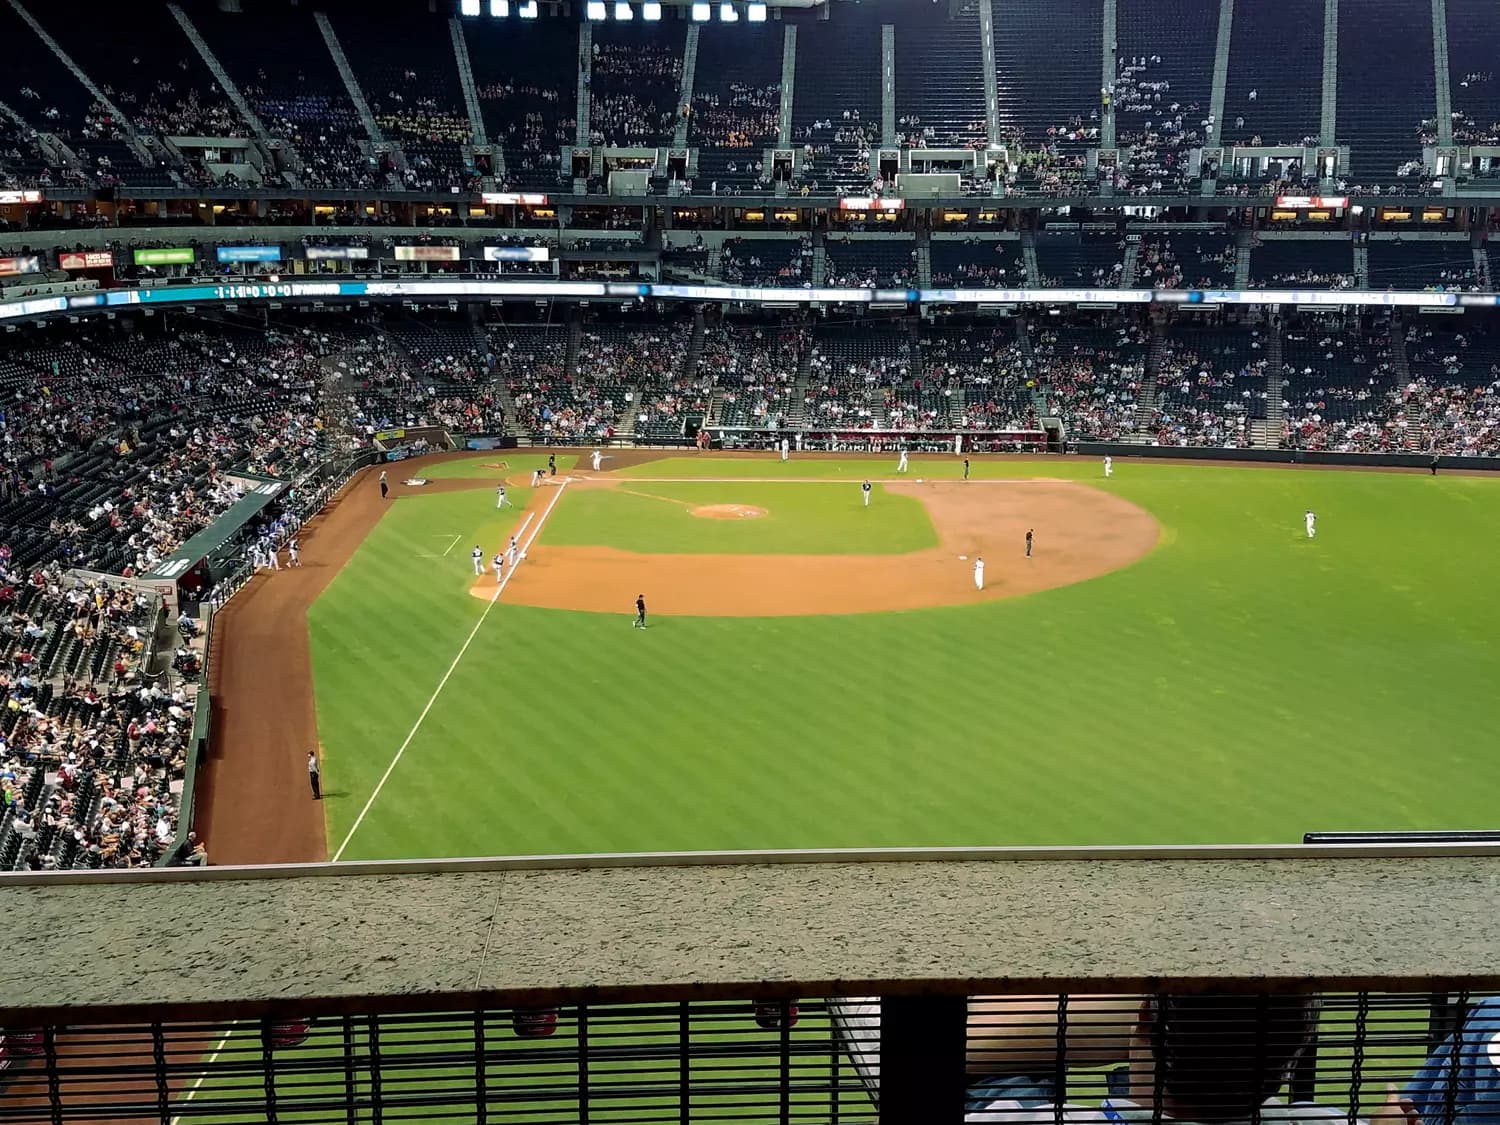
{"x":804,"y":519}
{"x":481,"y":464}
{"x":1240,"y":684}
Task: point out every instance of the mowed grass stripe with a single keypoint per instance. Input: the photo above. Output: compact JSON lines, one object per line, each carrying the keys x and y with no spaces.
{"x":1238,"y":684}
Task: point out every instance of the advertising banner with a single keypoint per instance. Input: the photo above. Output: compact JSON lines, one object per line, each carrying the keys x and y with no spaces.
{"x":249,"y":253}
{"x":164,"y":256}
{"x":340,"y":253}
{"x":11,"y":267}
{"x":87,"y":260}
{"x":517,"y":254}
{"x":14,"y":197}
{"x":427,"y":253}
{"x":504,"y":197}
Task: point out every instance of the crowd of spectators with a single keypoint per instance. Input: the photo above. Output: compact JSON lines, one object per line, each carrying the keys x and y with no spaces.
{"x":1160,"y":265}
{"x":782,"y":262}
{"x":539,"y":121}
{"x":632,"y":99}
{"x":986,"y":376}
{"x":1452,"y":402}
{"x":1159,"y":130}
{"x":849,"y":374}
{"x":1092,"y":377}
{"x":755,"y":370}
{"x":1206,"y":395}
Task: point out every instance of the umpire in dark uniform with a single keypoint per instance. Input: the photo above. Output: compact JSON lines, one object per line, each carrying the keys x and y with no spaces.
{"x":640,"y":611}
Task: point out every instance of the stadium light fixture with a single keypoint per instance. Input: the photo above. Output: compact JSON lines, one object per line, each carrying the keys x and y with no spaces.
{"x":528,"y":10}
{"x":755,"y":13}
{"x":651,"y":10}
{"x":468,"y":7}
{"x":499,"y":8}
{"x":622,"y":10}
{"x":727,"y":14}
{"x":701,"y":13}
{"x":597,"y":10}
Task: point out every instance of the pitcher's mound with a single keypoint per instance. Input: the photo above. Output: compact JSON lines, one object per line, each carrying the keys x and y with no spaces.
{"x":728,"y":512}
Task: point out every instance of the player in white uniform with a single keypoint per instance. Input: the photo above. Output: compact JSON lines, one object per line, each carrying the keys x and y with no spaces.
{"x":272,"y":553}
{"x":499,"y":564}
{"x":786,"y":449}
{"x":1109,"y":466}
{"x":500,"y":496}
{"x":1311,"y":520}
{"x":255,"y":560}
{"x":901,"y":464}
{"x":293,"y":552}
{"x":958,"y":444}
{"x":596,"y":460}
{"x":865,"y":488}
{"x":478,"y":556}
{"x":536,"y":479}
{"x":512,"y":552}
{"x":979,"y":572}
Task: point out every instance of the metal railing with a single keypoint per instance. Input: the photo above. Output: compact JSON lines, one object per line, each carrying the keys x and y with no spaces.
{"x":1026,"y":1059}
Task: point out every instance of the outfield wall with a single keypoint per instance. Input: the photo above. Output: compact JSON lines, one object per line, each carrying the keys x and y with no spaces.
{"x":1284,"y":456}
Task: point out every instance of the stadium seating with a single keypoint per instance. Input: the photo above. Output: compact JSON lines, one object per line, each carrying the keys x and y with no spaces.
{"x":1165,"y":58}
{"x":1273,"y":95}
{"x":1090,"y":376}
{"x":1447,"y":265}
{"x":850,"y":370}
{"x":1210,"y":385}
{"x":736,"y":102}
{"x":524,"y":77}
{"x":1453,"y":401}
{"x":755,"y":370}
{"x":1072,"y":258}
{"x":404,"y":64}
{"x":881,"y":262}
{"x":939,"y":84}
{"x":974,"y":378}
{"x":1302,"y":263}
{"x":1473,"y":47}
{"x":1339,"y":389}
{"x":1186,"y":260}
{"x":1047,"y":67}
{"x":977,"y":263}
{"x":768,"y":261}
{"x":635,"y":83}
{"x":836,"y":114}
{"x":1385,"y":91}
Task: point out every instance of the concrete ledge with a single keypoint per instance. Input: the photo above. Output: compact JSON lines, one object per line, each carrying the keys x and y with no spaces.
{"x":241,"y":942}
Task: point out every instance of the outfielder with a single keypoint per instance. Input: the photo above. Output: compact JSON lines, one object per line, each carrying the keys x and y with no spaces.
{"x":1311,"y":521}
{"x":499,"y":564}
{"x":901,"y":464}
{"x":979,"y":572}
{"x":865,"y":488}
{"x":478,"y":556}
{"x":596,"y":460}
{"x":1109,"y":467}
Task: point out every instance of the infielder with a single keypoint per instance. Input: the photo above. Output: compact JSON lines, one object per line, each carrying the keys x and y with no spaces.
{"x":1109,"y":467}
{"x":865,"y":488}
{"x":1028,"y":542}
{"x":294,"y":552}
{"x":901,"y":464}
{"x":979,"y":572}
{"x":499,"y":564}
{"x":500,"y":496}
{"x":478,"y":556}
{"x":512,"y":551}
{"x":536,"y":479}
{"x":1310,"y":519}
{"x":596,"y":460}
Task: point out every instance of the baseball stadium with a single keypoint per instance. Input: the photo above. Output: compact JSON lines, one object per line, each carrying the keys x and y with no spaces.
{"x":838,"y":561}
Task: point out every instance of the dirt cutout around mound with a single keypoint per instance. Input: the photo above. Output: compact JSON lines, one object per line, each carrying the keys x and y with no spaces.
{"x":1080,"y":533}
{"x":728,"y":512}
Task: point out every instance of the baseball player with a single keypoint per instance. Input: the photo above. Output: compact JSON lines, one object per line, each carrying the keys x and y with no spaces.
{"x":901,"y":464}
{"x":1028,"y":542}
{"x":865,"y":488}
{"x":979,"y":572}
{"x":1109,"y":467}
{"x":640,"y":611}
{"x":294,"y":552}
{"x":500,"y":496}
{"x":478,"y":556}
{"x":272,"y":556}
{"x":596,"y":460}
{"x":958,"y":444}
{"x":966,"y":468}
{"x":536,"y":479}
{"x":498,"y":562}
{"x":786,"y":448}
{"x":1310,"y":519}
{"x":255,"y":559}
{"x":384,"y":487}
{"x":513,"y":551}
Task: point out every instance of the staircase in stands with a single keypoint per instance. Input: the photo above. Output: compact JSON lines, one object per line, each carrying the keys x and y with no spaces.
{"x":1266,"y":434}
{"x":1401,"y":364}
{"x":1145,"y":399}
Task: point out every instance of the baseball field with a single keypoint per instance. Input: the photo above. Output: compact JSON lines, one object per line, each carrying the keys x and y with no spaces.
{"x":1177,"y":662}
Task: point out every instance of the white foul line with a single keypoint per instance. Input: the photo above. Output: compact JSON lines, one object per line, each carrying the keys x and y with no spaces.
{"x":411,"y":734}
{"x":451,"y":545}
{"x":193,"y":1090}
